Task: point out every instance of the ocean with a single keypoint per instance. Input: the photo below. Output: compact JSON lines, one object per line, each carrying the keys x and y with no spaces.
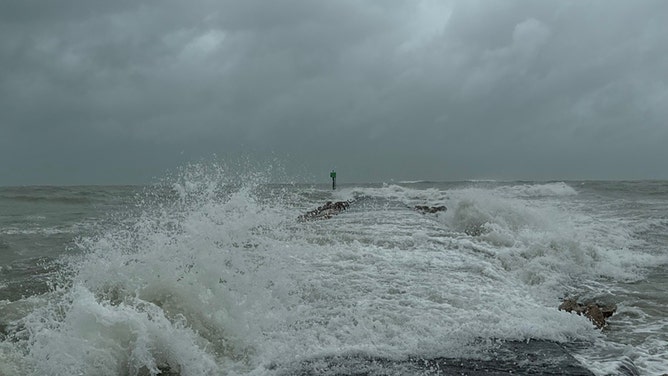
{"x":204,"y":275}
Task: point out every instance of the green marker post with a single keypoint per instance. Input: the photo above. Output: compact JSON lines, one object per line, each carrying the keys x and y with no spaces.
{"x":333,"y":176}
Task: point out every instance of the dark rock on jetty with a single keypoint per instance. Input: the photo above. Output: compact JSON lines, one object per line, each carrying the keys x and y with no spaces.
{"x":533,"y":357}
{"x":597,"y":313}
{"x":326,"y":211}
{"x":430,"y":209}
{"x":332,"y":208}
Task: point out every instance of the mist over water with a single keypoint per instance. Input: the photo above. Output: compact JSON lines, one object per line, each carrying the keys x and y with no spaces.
{"x":208,"y":274}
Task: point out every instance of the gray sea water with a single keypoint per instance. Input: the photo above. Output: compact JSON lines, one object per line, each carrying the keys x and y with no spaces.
{"x":197,"y":276}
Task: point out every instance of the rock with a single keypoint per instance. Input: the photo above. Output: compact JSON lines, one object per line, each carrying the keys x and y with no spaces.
{"x":326,"y":211}
{"x":430,"y":209}
{"x":535,"y":357}
{"x":597,"y":313}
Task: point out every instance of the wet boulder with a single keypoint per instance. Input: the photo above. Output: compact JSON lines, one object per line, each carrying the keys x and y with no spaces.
{"x":597,"y":313}
{"x":325,"y":211}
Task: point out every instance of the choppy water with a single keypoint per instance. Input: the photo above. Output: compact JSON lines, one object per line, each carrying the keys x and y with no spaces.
{"x":196,"y":276}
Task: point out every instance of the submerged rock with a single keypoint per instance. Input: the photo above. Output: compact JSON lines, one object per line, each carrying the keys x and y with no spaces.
{"x":597,"y":313}
{"x":424,"y":209}
{"x":474,"y":229}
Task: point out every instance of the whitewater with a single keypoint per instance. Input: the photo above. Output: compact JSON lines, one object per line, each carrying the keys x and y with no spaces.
{"x":202,"y":274}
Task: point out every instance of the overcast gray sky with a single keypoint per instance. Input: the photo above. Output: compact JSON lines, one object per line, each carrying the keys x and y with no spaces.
{"x":100,"y":91}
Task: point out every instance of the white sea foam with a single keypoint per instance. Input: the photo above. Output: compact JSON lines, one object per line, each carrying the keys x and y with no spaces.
{"x":83,"y":334}
{"x":546,"y":242}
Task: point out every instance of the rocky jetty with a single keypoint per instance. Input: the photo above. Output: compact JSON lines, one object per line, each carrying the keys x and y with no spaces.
{"x":332,"y":208}
{"x":326,"y":211}
{"x":597,"y":313}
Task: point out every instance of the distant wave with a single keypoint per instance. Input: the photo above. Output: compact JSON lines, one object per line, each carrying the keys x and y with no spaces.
{"x":413,"y":181}
{"x":63,"y":200}
{"x":539,"y":190}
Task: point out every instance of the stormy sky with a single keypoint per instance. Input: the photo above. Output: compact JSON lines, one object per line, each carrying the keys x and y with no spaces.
{"x":118,"y":92}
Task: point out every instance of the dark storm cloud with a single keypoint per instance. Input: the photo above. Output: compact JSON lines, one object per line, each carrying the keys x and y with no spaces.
{"x":118,"y":91}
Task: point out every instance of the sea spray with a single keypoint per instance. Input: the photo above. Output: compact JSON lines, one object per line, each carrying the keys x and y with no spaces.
{"x":183,"y":284}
